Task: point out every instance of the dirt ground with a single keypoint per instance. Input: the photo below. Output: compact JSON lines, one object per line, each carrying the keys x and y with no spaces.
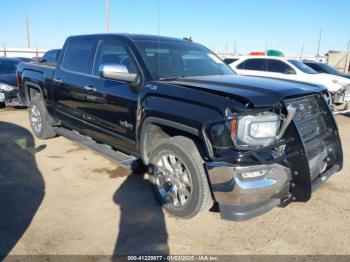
{"x":58,"y":198}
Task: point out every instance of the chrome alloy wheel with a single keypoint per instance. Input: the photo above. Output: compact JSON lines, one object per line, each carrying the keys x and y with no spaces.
{"x":173,"y":180}
{"x":35,"y":118}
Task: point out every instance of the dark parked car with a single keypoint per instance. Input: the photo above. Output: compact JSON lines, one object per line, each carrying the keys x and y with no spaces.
{"x":206,"y":134}
{"x":325,"y":68}
{"x":230,"y":60}
{"x":8,"y":85}
{"x":50,"y":57}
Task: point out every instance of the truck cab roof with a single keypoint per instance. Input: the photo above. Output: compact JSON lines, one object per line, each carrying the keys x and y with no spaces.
{"x":132,"y":37}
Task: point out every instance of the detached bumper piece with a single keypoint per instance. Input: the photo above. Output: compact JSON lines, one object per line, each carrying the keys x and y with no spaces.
{"x":249,"y":191}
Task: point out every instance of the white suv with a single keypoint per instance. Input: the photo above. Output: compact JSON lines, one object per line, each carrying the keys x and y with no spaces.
{"x":291,"y":69}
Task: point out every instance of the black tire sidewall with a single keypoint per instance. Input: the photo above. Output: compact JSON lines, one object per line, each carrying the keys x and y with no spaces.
{"x":39,"y":104}
{"x":192,"y":207}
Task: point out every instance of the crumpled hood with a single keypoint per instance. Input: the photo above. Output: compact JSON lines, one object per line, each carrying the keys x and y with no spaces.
{"x":9,"y":79}
{"x":333,"y":83}
{"x":261,"y":92}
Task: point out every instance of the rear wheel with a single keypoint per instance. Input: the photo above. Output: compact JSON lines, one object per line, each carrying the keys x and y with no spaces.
{"x":179,"y":178}
{"x":39,"y":119}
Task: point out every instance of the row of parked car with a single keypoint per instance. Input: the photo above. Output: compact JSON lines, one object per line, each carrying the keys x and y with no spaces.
{"x":337,"y":83}
{"x":256,"y":64}
{"x":8,"y":81}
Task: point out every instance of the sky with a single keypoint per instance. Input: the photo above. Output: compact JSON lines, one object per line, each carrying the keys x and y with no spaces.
{"x":254,"y":25}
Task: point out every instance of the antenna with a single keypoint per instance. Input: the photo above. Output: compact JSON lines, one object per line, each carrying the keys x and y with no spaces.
{"x":319,"y":43}
{"x":27,"y":29}
{"x":107,"y":15}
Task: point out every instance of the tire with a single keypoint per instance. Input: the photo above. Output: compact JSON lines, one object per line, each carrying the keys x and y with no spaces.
{"x":184,"y":154}
{"x":39,"y":119}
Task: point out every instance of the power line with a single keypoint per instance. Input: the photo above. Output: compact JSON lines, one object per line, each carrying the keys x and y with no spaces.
{"x":107,"y":15}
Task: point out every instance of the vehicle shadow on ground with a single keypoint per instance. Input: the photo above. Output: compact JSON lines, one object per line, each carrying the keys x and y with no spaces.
{"x":142,"y":228}
{"x":22,"y":187}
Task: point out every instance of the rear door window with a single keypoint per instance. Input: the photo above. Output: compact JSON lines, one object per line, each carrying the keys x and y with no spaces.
{"x":78,"y":55}
{"x":253,"y":64}
{"x":277,"y":66}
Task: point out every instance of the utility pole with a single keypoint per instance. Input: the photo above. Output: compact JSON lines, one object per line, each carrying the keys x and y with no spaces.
{"x":319,"y":43}
{"x":302,"y":50}
{"x":235,"y":48}
{"x":107,"y":15}
{"x":27,"y":28}
{"x":158,"y":13}
{"x":4,"y":47}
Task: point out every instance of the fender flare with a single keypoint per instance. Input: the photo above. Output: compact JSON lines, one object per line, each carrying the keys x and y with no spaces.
{"x":163,"y":122}
{"x":29,"y":84}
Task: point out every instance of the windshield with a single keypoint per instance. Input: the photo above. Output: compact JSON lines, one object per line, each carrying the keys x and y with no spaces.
{"x":329,"y":69}
{"x":180,"y":59}
{"x":301,"y":66}
{"x":8,"y":67}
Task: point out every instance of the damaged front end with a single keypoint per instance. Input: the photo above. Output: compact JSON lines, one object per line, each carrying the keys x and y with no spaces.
{"x":249,"y":180}
{"x":340,"y":100}
{"x":9,"y":95}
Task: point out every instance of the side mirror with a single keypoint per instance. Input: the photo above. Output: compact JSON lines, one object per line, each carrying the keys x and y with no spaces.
{"x":117,"y":72}
{"x":42,"y":60}
{"x":289,"y":71}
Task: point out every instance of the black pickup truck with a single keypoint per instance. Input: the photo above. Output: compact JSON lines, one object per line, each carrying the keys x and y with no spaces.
{"x":207,"y":135}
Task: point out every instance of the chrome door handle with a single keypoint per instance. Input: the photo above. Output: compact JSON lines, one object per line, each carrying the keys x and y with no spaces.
{"x":90,"y":88}
{"x":57,"y":80}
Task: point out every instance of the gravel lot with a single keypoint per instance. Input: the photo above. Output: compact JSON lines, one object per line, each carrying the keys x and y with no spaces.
{"x":58,"y":198}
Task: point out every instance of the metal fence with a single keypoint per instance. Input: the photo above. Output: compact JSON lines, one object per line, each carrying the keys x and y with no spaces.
{"x":22,"y":52}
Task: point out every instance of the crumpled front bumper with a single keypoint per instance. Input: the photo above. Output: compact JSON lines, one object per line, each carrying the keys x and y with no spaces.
{"x":249,"y":191}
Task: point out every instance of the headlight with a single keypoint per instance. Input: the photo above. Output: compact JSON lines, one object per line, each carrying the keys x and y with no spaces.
{"x":5,"y":87}
{"x":255,"y":130}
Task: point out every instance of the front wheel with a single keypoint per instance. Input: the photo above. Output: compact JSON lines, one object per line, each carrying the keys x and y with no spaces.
{"x":179,"y":178}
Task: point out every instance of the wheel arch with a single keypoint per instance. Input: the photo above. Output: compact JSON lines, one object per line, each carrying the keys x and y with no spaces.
{"x":30,"y":89}
{"x":153,"y":129}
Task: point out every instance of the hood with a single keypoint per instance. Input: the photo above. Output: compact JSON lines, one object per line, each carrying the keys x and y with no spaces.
{"x":261,"y":92}
{"x":9,"y":79}
{"x":332,"y":82}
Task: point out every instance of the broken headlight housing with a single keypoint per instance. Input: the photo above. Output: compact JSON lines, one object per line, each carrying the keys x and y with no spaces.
{"x":252,"y":131}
